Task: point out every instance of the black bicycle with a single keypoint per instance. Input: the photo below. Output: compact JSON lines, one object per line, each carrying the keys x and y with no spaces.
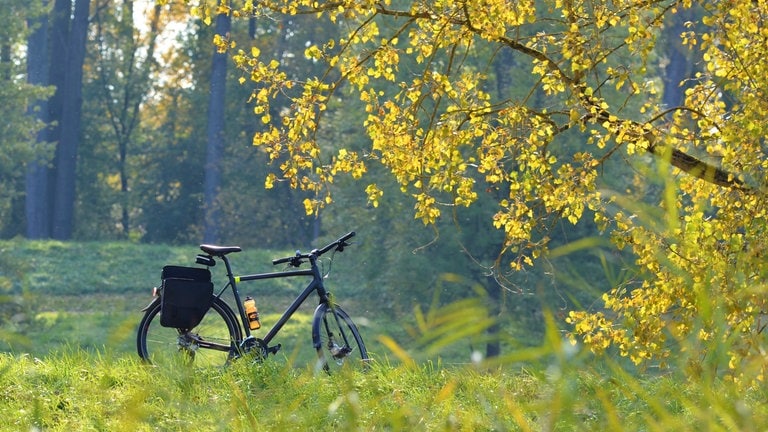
{"x":187,"y":321}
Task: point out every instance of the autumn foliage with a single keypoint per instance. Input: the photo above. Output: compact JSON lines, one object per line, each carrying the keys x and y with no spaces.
{"x":421,"y":71}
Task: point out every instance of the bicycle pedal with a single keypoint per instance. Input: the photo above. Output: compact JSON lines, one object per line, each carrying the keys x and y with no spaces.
{"x":274,"y":349}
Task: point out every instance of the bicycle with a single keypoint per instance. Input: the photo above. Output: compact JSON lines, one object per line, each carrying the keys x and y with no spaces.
{"x":198,"y":325}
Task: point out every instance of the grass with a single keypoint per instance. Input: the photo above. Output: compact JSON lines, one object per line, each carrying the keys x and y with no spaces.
{"x":89,"y":268}
{"x":70,"y":364}
{"x":79,"y":390}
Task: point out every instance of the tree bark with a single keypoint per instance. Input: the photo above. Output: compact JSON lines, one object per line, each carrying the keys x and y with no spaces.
{"x":698,"y":168}
{"x":36,"y":184}
{"x":59,"y":23}
{"x":677,"y":67}
{"x":66,"y":152}
{"x":215,"y":136}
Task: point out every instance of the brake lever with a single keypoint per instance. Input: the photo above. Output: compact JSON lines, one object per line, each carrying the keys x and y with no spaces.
{"x":341,"y":246}
{"x":296,"y":260}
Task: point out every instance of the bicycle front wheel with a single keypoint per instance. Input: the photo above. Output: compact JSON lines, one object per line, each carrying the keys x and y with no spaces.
{"x":211,"y":343}
{"x":337,"y":340}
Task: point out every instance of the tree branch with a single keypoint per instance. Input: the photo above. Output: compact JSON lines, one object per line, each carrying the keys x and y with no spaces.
{"x":698,"y":168}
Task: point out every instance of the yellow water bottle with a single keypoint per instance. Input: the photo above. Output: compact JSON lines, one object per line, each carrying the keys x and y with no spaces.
{"x":252,"y":313}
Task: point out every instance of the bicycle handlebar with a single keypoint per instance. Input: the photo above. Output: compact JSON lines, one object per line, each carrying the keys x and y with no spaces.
{"x":296,"y":260}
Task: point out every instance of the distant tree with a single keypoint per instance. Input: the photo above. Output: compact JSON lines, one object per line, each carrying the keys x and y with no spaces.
{"x":51,"y":192}
{"x":36,"y":179}
{"x":23,"y":93}
{"x":216,"y":117}
{"x":120,"y":76}
{"x":245,"y":213}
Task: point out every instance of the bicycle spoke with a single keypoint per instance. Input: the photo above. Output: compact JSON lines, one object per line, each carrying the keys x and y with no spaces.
{"x":337,"y":339}
{"x":208,"y":344}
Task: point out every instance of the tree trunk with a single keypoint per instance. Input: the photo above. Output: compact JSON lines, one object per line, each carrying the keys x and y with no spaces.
{"x":504,"y":82}
{"x":66,"y":152}
{"x":36,"y":204}
{"x":215,"y":136}
{"x":57,"y":38}
{"x":678,"y":66}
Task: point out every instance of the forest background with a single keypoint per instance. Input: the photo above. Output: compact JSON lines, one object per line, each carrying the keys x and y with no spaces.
{"x":127,"y":121}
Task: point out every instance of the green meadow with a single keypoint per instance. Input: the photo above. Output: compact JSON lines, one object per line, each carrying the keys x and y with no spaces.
{"x":68,"y":363}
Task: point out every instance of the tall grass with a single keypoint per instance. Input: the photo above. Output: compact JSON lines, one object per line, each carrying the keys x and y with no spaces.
{"x":78,"y":390}
{"x":77,"y":371}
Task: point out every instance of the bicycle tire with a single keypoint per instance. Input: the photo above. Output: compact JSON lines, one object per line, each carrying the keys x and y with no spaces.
{"x":337,"y":340}
{"x":160,"y":345}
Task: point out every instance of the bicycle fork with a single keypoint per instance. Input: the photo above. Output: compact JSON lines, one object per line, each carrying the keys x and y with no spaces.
{"x":339,"y":352}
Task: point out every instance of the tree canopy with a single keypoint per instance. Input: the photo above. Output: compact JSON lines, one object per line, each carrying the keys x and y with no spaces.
{"x":420,"y":71}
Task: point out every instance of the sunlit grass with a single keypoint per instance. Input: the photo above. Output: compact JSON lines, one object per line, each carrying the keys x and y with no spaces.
{"x":79,"y":385}
{"x":72,"y":366}
{"x":79,"y":390}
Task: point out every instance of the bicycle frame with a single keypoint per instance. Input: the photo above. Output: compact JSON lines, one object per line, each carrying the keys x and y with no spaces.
{"x":335,"y":336}
{"x":316,"y":285}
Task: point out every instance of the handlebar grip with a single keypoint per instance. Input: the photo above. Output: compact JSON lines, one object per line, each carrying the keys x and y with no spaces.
{"x":293,"y":260}
{"x":281,"y":260}
{"x":347,"y":236}
{"x":338,"y":244}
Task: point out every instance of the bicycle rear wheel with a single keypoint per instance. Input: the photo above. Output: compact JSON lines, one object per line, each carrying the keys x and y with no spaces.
{"x":211,"y":343}
{"x":337,"y":340}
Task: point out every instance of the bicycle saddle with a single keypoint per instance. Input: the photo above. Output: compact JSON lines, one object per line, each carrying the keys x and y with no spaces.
{"x":219,"y":250}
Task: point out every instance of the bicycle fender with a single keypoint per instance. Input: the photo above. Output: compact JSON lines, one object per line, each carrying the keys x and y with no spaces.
{"x":151,"y":303}
{"x":316,"y":319}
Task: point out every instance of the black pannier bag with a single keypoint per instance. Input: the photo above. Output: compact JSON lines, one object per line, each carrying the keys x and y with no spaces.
{"x":187,"y":294}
